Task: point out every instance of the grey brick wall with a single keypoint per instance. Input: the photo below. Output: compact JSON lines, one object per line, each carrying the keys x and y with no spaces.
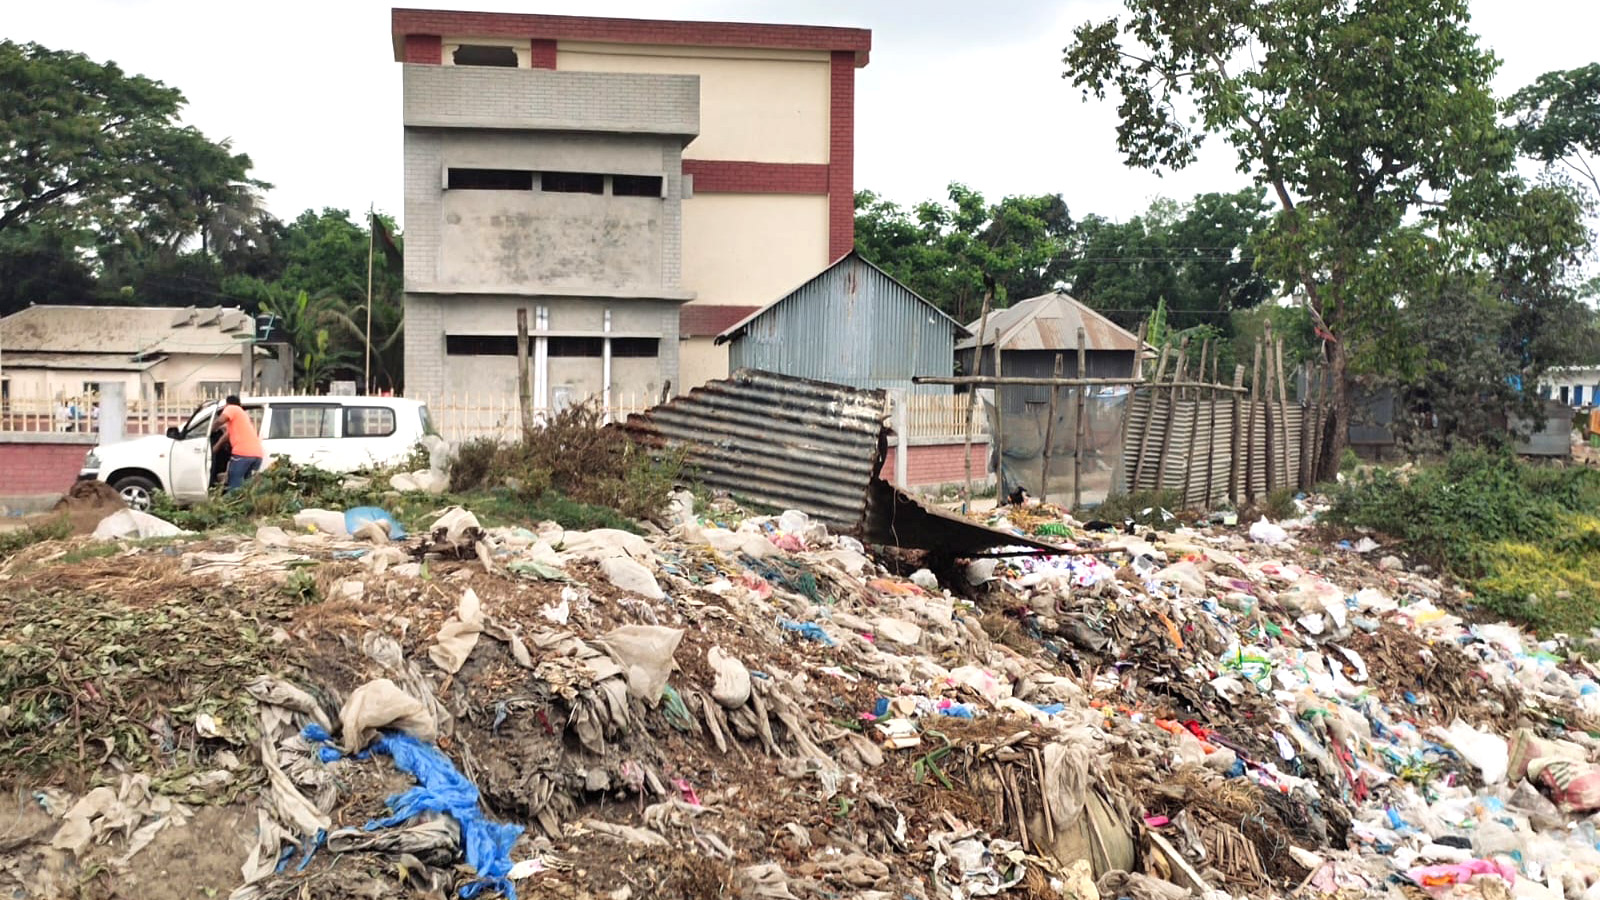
{"x":424,"y":149}
{"x":472,"y":96}
{"x":424,"y":355}
{"x":672,"y":218}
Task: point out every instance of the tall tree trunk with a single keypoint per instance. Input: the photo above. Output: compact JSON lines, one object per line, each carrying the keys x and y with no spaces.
{"x":1336,"y":434}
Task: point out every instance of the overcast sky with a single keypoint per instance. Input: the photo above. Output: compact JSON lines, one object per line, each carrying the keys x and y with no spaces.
{"x":956,"y":90}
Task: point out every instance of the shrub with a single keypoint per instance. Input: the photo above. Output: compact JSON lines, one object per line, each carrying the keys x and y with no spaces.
{"x":576,"y":457}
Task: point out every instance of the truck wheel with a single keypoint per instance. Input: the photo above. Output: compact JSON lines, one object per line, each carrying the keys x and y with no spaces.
{"x":137,"y":491}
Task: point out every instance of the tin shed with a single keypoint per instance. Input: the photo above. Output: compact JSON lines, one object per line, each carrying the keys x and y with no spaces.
{"x":1032,"y":332}
{"x":850,"y":324}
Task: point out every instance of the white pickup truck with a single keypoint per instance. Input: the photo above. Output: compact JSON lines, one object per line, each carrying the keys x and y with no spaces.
{"x":338,"y":434}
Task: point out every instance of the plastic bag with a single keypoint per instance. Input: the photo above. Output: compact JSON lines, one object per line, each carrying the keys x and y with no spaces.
{"x":1489,"y":753}
{"x":358,"y":516}
{"x":1265,"y":532}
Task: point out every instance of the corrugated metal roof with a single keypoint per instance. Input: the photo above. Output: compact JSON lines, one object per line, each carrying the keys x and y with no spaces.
{"x":852,"y":324}
{"x":790,"y":443}
{"x":778,"y":441}
{"x":128,"y":330}
{"x":732,"y":330}
{"x":1050,"y":322}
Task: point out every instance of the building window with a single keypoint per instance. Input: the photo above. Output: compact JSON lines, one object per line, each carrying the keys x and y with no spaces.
{"x":368,"y":421}
{"x":484,"y":55}
{"x":489,"y":180}
{"x":572,"y":183}
{"x":480,"y":345}
{"x":636,"y":186}
{"x":576,"y":346}
{"x":636,"y":348}
{"x":300,"y":422}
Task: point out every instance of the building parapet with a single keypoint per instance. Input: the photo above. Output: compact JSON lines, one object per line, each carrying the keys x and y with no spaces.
{"x":551,"y":100}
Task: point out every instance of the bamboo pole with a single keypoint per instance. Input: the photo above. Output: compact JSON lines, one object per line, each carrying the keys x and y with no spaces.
{"x":1120,"y":472}
{"x":972,"y":405}
{"x":1211,"y":437}
{"x":1149,"y":420}
{"x":1050,"y":437}
{"x":1077,"y":449}
{"x":1172,"y":415}
{"x":1283,"y":415}
{"x":1250,"y":436}
{"x":1191,"y":456}
{"x":998,"y":439}
{"x":1271,"y":417}
{"x":1236,"y":426}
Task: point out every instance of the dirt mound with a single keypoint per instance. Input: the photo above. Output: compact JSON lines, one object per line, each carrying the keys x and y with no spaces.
{"x":86,"y":503}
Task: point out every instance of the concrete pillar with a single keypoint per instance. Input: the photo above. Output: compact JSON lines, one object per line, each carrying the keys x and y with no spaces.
{"x":113,"y":411}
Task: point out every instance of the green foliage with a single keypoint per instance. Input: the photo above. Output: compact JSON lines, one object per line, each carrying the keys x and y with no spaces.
{"x":1511,"y":529}
{"x":18,"y":539}
{"x":949,"y":252}
{"x":576,"y":457}
{"x":1279,"y":504}
{"x":1143,"y":507}
{"x":62,"y":654}
{"x":93,"y":160}
{"x":1558,"y":120}
{"x":1374,"y":127}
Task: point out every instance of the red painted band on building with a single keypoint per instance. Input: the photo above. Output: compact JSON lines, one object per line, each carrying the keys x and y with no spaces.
{"x":425,"y":49}
{"x":406,"y":22}
{"x":544,"y":53}
{"x":842,"y":155}
{"x":725,"y":176}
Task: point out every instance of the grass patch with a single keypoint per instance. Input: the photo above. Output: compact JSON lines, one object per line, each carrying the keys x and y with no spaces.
{"x":1143,"y":507}
{"x":18,"y":539}
{"x":1514,"y":531}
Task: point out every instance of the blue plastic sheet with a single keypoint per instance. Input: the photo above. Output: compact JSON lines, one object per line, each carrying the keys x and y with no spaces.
{"x":441,"y":789}
{"x":358,"y":516}
{"x":808,"y":629}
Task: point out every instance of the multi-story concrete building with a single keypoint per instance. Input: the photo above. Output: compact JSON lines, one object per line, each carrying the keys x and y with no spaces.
{"x":614,"y":177}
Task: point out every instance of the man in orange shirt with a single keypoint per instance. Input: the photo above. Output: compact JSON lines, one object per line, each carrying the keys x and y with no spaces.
{"x":242,"y":440}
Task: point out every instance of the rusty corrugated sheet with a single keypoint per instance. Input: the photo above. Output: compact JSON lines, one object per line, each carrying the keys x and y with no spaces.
{"x":789,"y":443}
{"x":779,"y":441}
{"x":1051,"y":322}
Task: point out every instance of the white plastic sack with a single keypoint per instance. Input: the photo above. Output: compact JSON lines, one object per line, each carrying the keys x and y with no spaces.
{"x":645,"y":654}
{"x":131,"y":523}
{"x":732,"y":686}
{"x":325,"y":521}
{"x":1487,"y":752}
{"x":381,"y":703}
{"x":1265,"y":532}
{"x":631,"y":576}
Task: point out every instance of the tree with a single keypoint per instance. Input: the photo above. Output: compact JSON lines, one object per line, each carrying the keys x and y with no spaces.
{"x":1558,"y":120}
{"x":85,"y":146}
{"x":945,"y":252}
{"x":1371,"y":122}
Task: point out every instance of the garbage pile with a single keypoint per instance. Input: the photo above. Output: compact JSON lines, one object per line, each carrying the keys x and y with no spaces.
{"x":752,"y":706}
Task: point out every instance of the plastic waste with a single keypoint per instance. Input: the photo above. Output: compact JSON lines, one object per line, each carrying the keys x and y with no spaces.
{"x":357,"y":517}
{"x":325,"y":521}
{"x":1487,"y":752}
{"x":1265,"y":532}
{"x":731,"y":687}
{"x":631,"y":576}
{"x":131,"y":523}
{"x":645,"y":654}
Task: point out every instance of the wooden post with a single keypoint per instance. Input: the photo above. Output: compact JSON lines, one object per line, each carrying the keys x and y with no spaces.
{"x":1270,"y":416}
{"x":1120,"y":472}
{"x":1172,"y":414}
{"x":1250,"y":434}
{"x":1083,"y":424}
{"x":998,"y":439}
{"x":1237,"y":425}
{"x":972,"y":395}
{"x":1149,"y":419}
{"x":1049,"y":437}
{"x":1211,"y":436}
{"x":1192,"y":456}
{"x":524,"y":387}
{"x":1283,"y":416}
